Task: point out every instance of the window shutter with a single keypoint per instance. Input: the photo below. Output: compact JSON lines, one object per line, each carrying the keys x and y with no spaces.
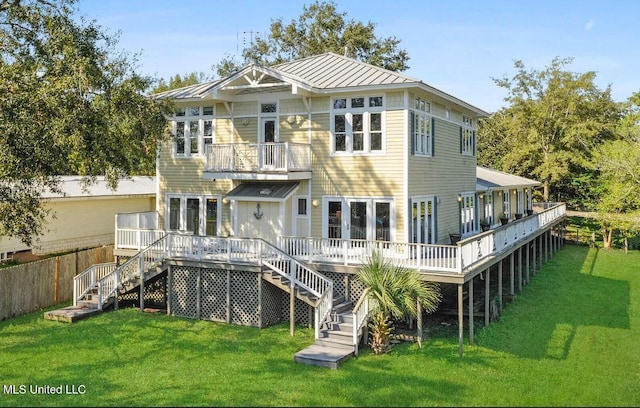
{"x":461,"y":141}
{"x":412,"y":128}
{"x":433,"y":135}
{"x":474,"y":142}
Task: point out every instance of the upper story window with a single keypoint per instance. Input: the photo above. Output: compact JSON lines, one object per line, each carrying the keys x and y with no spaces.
{"x":268,"y":107}
{"x":192,"y":130}
{"x":356,"y":124}
{"x":421,"y":128}
{"x":467,"y":137}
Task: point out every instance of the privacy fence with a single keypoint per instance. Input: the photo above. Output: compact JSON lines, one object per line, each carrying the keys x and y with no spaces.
{"x":36,"y":285}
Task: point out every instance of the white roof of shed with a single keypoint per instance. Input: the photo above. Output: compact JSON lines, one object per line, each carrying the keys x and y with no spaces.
{"x":489,"y":179}
{"x":71,"y":187}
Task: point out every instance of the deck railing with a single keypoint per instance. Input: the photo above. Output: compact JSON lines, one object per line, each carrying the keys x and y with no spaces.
{"x":85,"y":281}
{"x":257,"y":157}
{"x":361,"y":312}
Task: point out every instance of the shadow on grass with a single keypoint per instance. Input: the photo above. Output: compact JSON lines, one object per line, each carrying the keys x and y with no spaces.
{"x":567,"y":294}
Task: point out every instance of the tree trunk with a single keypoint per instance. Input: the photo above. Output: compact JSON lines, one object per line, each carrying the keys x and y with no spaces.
{"x":546,"y":192}
{"x":607,"y":235}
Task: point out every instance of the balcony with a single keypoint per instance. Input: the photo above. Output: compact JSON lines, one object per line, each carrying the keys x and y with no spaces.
{"x":258,"y":161}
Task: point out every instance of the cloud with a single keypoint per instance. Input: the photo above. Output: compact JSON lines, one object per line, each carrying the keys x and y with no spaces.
{"x":589,"y":25}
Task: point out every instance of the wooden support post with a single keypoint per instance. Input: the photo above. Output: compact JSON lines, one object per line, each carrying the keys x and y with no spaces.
{"x":511,"y":284}
{"x":487,"y":282}
{"x":169,"y":289}
{"x":546,"y":246}
{"x":310,"y":316}
{"x":500,"y":285}
{"x":141,"y":293}
{"x":471,"y":341}
{"x":56,"y":288}
{"x":292,"y":310}
{"x":460,"y":320}
{"x":534,"y":253}
{"x":198,"y":293}
{"x":419,"y":311}
{"x":527,"y":263}
{"x":228,"y":296}
{"x":519,"y":270}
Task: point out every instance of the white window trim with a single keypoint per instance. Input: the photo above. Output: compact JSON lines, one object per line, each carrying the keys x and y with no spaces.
{"x":366,"y":112}
{"x":202,"y":227}
{"x":201,"y":118}
{"x":345,"y":224}
{"x":427,"y":147}
{"x":468,"y":220}
{"x":434,"y":225}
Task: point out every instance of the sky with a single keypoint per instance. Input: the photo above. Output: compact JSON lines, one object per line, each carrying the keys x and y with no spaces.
{"x":456,"y":46}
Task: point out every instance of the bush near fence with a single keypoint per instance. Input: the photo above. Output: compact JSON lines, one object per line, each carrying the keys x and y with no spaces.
{"x":36,"y":285}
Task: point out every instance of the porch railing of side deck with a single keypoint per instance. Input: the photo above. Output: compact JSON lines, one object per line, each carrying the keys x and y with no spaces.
{"x":361,"y":312}
{"x":424,"y":257}
{"x":258,"y":157}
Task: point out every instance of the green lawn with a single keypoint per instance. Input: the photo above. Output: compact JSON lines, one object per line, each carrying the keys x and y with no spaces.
{"x":571,"y":338}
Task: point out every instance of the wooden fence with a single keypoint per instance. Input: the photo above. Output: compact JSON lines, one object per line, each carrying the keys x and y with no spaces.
{"x":36,"y":285}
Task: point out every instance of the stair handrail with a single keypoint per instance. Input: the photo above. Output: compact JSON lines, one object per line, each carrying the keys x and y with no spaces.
{"x":361,"y":312}
{"x":132,"y":269}
{"x":86,"y":280}
{"x":303,"y":276}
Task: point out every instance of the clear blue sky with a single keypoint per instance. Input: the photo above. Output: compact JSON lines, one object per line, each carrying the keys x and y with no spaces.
{"x":455,"y":46}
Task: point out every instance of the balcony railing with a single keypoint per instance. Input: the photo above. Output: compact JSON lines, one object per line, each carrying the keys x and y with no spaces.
{"x":258,"y":157}
{"x":423,"y":257}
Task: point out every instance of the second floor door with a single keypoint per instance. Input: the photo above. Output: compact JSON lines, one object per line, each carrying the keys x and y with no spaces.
{"x":268,"y":137}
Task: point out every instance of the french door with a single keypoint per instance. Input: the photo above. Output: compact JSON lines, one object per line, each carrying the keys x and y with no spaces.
{"x":423,"y":220}
{"x":358,"y":218}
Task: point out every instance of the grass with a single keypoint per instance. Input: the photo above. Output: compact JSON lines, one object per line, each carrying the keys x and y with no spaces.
{"x":571,"y":338}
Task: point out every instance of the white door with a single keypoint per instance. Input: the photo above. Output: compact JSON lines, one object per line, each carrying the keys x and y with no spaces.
{"x":268,"y":138}
{"x":259,"y":220}
{"x":423,"y":220}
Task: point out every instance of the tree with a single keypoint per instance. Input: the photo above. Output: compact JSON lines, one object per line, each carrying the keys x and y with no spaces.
{"x":179,"y":81}
{"x":618,"y":163}
{"x":397,"y":292}
{"x":321,"y":28}
{"x":70,"y":104}
{"x":554,"y":122}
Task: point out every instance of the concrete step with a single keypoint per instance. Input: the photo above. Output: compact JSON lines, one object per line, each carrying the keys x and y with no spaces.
{"x":322,"y":356}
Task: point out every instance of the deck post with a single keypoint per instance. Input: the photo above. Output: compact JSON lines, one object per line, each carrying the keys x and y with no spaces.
{"x":546,"y":246}
{"x":500,"y":285}
{"x":199,"y":293}
{"x":527,"y":264}
{"x":141,"y":269}
{"x":169,"y":287}
{"x":292,"y":310}
{"x":519,"y":269}
{"x":460,"y":320}
{"x":471,"y":341}
{"x":533,"y":252}
{"x":487,"y":281}
{"x":511,"y":283}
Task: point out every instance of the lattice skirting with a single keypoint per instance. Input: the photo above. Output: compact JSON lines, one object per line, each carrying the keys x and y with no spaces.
{"x":232,"y":296}
{"x":155,"y":294}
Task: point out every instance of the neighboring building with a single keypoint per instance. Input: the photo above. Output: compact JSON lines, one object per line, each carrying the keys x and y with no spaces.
{"x":84,"y":219}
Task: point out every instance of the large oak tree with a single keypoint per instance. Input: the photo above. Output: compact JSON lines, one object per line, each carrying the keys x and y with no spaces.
{"x":70,"y":104}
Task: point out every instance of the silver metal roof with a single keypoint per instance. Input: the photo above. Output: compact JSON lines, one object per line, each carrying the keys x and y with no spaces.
{"x":262,"y":191}
{"x":331,"y":71}
{"x":320,"y":74}
{"x":489,"y":179}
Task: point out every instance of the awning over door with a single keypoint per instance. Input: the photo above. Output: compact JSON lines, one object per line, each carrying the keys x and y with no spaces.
{"x":274,"y":192}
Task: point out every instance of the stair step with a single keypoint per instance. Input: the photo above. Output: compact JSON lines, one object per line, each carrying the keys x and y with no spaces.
{"x":342,"y":318}
{"x":322,"y":356}
{"x":343,"y":307}
{"x":338,"y":300}
{"x":341,"y":327}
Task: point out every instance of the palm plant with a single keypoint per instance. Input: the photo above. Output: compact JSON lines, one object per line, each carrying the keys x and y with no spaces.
{"x":397,"y":291}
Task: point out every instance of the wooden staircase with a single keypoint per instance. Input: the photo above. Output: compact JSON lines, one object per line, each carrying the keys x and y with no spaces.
{"x":335,"y":342}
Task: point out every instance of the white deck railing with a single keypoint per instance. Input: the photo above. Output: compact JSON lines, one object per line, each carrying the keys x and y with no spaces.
{"x":85,"y":281}
{"x":423,"y":257}
{"x":361,"y":312}
{"x":257,"y":157}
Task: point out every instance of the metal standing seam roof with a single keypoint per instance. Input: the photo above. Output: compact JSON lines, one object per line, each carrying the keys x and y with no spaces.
{"x":323,"y":72}
{"x":487,"y":179}
{"x":261,"y":191}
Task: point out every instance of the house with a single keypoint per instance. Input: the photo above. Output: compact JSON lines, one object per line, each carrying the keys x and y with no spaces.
{"x":84,"y":218}
{"x":279,"y":181}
